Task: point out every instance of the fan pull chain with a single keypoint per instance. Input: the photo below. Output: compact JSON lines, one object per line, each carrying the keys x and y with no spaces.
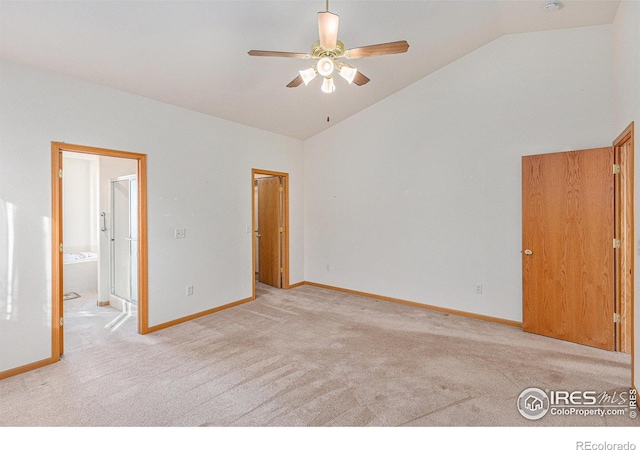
{"x":328,"y":105}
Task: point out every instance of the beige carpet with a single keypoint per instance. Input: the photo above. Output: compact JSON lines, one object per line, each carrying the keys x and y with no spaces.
{"x":305,"y":357}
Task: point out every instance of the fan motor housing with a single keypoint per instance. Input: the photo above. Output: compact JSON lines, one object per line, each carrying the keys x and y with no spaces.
{"x":318,"y":51}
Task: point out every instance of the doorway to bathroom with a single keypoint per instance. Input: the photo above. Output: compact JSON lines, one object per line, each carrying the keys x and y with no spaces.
{"x":99,"y":263}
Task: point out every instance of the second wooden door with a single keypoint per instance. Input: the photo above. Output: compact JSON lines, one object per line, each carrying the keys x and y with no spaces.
{"x":568,"y":252}
{"x":270,"y":231}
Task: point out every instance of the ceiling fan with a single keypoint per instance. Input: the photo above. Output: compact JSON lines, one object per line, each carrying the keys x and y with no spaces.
{"x":328,"y":50}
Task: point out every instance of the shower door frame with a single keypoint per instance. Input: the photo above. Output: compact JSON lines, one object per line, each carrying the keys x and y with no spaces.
{"x":112,"y":263}
{"x":57,"y":294}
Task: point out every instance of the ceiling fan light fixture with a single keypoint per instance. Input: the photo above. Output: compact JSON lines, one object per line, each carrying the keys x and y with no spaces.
{"x":328,"y":52}
{"x":308,"y":75}
{"x":348,"y":73}
{"x":325,"y":66}
{"x":328,"y":86}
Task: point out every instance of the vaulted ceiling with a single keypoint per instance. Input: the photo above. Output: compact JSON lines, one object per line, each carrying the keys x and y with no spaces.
{"x":193,"y":54}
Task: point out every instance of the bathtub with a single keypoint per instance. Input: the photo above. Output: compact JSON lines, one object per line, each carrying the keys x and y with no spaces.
{"x":80,"y":272}
{"x":79,"y":257}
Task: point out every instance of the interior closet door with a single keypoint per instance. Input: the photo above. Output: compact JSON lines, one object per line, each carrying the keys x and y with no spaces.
{"x":568,"y":254}
{"x":269,"y":231}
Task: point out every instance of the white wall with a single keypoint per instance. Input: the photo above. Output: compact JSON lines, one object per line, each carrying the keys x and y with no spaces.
{"x":419,"y":196}
{"x":79,"y":203}
{"x":199,"y":171}
{"x":626,"y":95}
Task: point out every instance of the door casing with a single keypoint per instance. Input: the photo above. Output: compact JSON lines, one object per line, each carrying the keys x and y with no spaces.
{"x":623,"y":147}
{"x":285,"y":223}
{"x":57,"y":308}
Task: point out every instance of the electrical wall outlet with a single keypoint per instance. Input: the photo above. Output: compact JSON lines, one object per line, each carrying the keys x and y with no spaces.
{"x":189,"y":290}
{"x":478,"y":289}
{"x":180,"y":233}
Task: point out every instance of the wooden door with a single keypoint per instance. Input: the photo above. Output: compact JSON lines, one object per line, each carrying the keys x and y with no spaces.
{"x":568,"y":254}
{"x":269,"y":231}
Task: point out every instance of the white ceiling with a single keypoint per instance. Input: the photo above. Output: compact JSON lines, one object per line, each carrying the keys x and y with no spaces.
{"x":193,"y":54}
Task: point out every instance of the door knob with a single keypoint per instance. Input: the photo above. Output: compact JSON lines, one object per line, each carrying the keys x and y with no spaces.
{"x":528,"y":252}
{"x":259,"y":235}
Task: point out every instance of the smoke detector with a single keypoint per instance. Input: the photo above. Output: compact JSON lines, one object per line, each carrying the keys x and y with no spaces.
{"x":552,"y":6}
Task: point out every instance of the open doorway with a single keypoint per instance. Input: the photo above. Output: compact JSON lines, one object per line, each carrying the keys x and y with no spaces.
{"x":270,"y":224}
{"x":99,"y":238}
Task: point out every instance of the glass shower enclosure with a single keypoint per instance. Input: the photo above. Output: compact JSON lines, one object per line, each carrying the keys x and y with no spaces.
{"x":124,"y":238}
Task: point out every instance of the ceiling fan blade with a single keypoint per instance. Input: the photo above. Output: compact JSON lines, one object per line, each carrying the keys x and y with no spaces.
{"x":297,"y":81}
{"x":279,"y":54}
{"x":377,"y":50}
{"x":360,"y":79}
{"x":328,"y":29}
